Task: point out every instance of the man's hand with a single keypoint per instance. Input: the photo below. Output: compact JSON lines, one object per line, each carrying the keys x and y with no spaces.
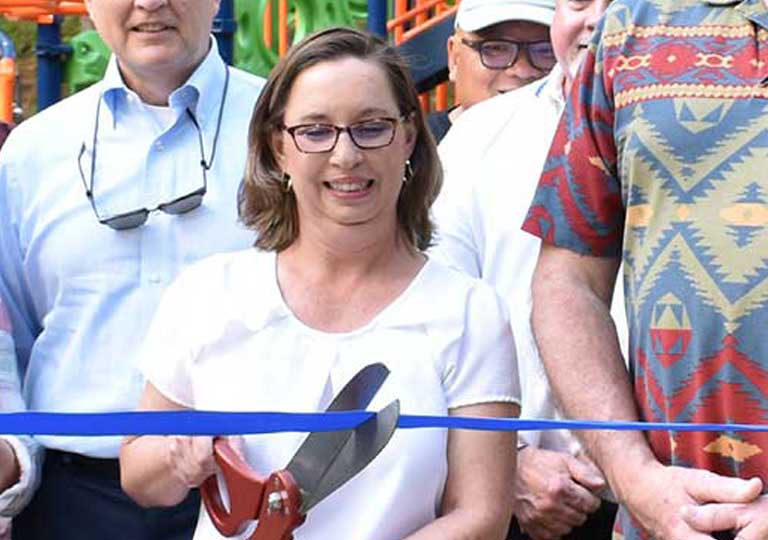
{"x":10,"y":472}
{"x":5,"y":529}
{"x":675,"y":503}
{"x":554,"y":492}
{"x":749,"y":521}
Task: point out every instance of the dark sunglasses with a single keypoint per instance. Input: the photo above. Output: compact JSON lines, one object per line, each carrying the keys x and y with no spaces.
{"x":180,"y":205}
{"x":504,"y":53}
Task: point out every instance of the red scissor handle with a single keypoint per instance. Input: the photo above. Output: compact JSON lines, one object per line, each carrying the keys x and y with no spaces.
{"x":274,"y":501}
{"x":245,"y":489}
{"x":280,"y":513}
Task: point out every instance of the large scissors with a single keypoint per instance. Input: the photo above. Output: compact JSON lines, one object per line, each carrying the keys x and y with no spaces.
{"x":322,"y":464}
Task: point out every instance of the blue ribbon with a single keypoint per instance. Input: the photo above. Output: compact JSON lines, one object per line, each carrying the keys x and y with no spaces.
{"x":234,"y":423}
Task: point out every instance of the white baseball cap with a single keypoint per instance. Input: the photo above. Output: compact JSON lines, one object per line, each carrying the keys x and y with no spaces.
{"x":474,"y":15}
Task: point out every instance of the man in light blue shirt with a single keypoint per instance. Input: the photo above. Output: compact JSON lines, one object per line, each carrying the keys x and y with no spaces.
{"x":84,"y":256}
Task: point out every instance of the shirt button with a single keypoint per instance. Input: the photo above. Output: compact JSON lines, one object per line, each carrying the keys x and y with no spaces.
{"x":155,"y":279}
{"x":159,"y":146}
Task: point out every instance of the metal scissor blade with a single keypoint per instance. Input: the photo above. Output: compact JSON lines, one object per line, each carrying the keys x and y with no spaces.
{"x":319,"y":449}
{"x":358,"y":393}
{"x":367,"y":440}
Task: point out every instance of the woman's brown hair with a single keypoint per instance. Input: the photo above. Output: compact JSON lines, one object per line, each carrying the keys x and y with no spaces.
{"x":267,"y":206}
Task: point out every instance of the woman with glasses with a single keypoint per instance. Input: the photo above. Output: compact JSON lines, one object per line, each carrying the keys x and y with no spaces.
{"x":340,"y":178}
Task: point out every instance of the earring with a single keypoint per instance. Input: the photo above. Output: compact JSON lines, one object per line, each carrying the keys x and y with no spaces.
{"x":287,"y":182}
{"x":408,"y":174}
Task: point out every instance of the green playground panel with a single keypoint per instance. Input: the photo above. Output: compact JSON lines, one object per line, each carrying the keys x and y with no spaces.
{"x":304,"y":17}
{"x":88,"y":61}
{"x":90,"y":55}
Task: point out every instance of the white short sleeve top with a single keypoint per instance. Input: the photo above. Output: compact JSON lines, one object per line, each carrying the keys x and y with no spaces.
{"x":224,"y":339}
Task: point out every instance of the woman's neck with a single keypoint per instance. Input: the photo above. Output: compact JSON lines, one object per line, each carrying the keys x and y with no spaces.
{"x":347,"y":250}
{"x":338,"y":282}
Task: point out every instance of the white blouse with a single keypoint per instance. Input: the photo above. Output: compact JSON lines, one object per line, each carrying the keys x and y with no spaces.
{"x":224,"y":339}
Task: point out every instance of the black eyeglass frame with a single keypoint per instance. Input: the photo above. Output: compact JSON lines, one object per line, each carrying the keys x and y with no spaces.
{"x":179,"y":205}
{"x":478,"y":46}
{"x":394,"y":122}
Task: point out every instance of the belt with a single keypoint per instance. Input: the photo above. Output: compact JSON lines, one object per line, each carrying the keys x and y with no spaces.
{"x":86,"y":464}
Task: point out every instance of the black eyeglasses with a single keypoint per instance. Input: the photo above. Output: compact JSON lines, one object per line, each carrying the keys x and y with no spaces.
{"x":177,"y":206}
{"x":504,"y":53}
{"x":366,"y":135}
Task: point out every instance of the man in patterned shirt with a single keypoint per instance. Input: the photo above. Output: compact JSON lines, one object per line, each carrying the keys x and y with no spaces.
{"x":660,"y":162}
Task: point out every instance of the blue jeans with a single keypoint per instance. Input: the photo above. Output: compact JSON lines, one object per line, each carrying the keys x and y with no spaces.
{"x":80,"y":499}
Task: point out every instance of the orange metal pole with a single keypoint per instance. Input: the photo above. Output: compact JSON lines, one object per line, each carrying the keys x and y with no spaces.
{"x":401,"y":6}
{"x":424,"y":100}
{"x":34,"y":9}
{"x":441,"y":97}
{"x":427,"y":25}
{"x":282,"y":26}
{"x":7,"y":83}
{"x":422,"y":17}
{"x":406,"y":16}
{"x":267,"y":22}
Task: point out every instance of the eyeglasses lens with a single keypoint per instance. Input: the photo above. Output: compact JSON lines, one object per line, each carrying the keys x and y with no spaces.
{"x":374,"y":134}
{"x":542,"y":55}
{"x":184,"y":204}
{"x":129,"y":220}
{"x":315,"y":138}
{"x":499,"y":54}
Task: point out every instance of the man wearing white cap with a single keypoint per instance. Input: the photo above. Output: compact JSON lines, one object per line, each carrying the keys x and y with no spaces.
{"x":493,"y":158}
{"x":497,"y":46}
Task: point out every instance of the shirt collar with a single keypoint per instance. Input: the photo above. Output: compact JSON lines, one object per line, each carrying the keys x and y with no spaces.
{"x":272,"y":307}
{"x":551,"y":87}
{"x":201,"y":93}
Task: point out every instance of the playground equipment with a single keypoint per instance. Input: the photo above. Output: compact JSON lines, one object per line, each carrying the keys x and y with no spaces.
{"x":251,"y":34}
{"x":89,"y":56}
{"x":40,"y":11}
{"x":44,"y":12}
{"x":421,"y":32}
{"x":259,"y":21}
{"x":87,"y":62}
{"x":7,"y":77}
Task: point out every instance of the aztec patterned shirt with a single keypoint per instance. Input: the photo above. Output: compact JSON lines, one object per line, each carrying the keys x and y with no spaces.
{"x":661,"y":158}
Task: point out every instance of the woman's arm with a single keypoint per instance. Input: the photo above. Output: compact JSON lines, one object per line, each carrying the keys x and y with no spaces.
{"x":477,"y":502}
{"x":159,"y":470}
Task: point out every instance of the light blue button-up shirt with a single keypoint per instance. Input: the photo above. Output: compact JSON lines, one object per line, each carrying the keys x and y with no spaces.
{"x":81,"y":295}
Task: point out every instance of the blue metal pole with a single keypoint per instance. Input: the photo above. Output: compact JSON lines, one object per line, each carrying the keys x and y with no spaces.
{"x":224,"y":27}
{"x":7,"y":47}
{"x":377,"y":17}
{"x":49,"y":51}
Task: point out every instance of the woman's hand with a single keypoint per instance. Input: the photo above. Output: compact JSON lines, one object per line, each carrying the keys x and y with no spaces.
{"x":190,"y":459}
{"x":158,"y":470}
